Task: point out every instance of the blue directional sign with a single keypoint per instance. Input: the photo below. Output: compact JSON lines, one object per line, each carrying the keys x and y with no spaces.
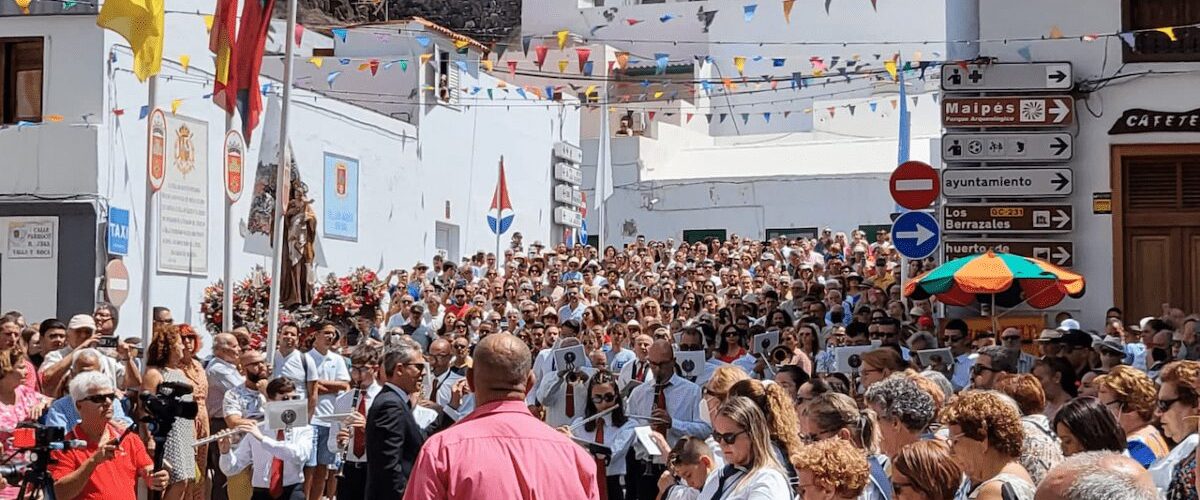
{"x":118,"y":231}
{"x":916,"y":234}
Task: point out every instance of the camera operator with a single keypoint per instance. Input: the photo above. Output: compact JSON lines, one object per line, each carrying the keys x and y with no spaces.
{"x":278,"y":464}
{"x":109,"y":466}
{"x":62,"y":412}
{"x":82,"y":333}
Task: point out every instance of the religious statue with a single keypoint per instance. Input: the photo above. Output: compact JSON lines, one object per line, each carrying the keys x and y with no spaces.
{"x":299,"y":237}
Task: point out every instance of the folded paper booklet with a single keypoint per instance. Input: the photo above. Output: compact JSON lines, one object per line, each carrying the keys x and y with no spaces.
{"x":643,"y":436}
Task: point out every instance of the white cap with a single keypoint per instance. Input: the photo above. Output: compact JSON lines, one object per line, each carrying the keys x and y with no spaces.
{"x":1069,"y":324}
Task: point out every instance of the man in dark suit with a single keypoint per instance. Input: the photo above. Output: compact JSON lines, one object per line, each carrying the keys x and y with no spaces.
{"x":393,"y":437}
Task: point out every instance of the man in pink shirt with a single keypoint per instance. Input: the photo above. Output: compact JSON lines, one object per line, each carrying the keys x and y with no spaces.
{"x":501,"y":450}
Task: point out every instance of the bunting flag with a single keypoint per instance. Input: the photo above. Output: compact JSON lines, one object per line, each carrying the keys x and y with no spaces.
{"x":748,"y":11}
{"x":890,"y":66}
{"x":460,"y":45}
{"x":632,"y":22}
{"x":723,"y":116}
{"x":540,"y":55}
{"x":374,"y":64}
{"x":745,"y":118}
{"x":139,"y":22}
{"x":650,"y":115}
{"x":208,"y":22}
{"x":562,"y":65}
{"x":785,"y":114}
{"x":827,"y":2}
{"x":873,"y":105}
{"x":341,"y":33}
{"x":587,"y":68}
{"x":143,"y":112}
{"x":175,"y":103}
{"x":874,"y":6}
{"x":622,"y":60}
{"x":767,"y":117}
{"x":1055,"y":32}
{"x":488,"y":65}
{"x":706,"y":17}
{"x":666,"y":17}
{"x":708,"y":117}
{"x":778,"y":62}
{"x":1129,"y":40}
{"x":562,"y":38}
{"x":658,"y":93}
{"x":594,"y":29}
{"x":425,"y":58}
{"x":525,"y":40}
{"x":404,"y":65}
{"x":512,"y":69}
{"x":850,"y":107}
{"x":660,"y":63}
{"x":582,"y":54}
{"x":831,"y":110}
{"x":331,"y":77}
{"x":1025,"y":53}
{"x":688,"y":117}
{"x":299,"y":33}
{"x":739,"y":63}
{"x":787,"y":10}
{"x":1170,"y":32}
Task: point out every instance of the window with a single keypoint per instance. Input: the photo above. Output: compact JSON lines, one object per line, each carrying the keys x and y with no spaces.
{"x":695,"y":235}
{"x":448,"y":90}
{"x":1155,"y":46}
{"x":20,"y":80}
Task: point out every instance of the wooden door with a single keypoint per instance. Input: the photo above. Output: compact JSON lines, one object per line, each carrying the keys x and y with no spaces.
{"x":1159,"y":225}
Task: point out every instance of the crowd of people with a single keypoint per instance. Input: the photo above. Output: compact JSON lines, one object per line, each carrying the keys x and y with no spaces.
{"x":632,"y":373}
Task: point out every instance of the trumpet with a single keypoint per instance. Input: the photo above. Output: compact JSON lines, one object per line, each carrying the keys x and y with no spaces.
{"x":779,"y":354}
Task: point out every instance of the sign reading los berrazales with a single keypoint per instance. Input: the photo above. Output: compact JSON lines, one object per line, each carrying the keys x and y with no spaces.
{"x":1007,"y":218}
{"x":1136,"y":121}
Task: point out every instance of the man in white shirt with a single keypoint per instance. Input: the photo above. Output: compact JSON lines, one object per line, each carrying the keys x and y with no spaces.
{"x":81,"y":333}
{"x":349,"y":436}
{"x":672,"y":407}
{"x":332,"y":379}
{"x":293,"y":364}
{"x":638,"y":369}
{"x":564,"y":392}
{"x":574,"y":307}
{"x":441,"y":353}
{"x":277,"y":458}
{"x":955,"y":336}
{"x":222,"y":375}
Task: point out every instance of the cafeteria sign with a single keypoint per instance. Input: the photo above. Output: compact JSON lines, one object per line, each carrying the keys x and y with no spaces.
{"x":1137,"y":121}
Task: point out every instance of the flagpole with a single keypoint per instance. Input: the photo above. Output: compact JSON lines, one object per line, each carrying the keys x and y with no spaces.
{"x":282,"y":173}
{"x":148,"y":232}
{"x":602,"y":173}
{"x":499,"y":210}
{"x":227,"y":296}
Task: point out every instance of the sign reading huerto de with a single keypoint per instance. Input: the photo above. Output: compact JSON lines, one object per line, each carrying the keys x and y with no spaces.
{"x":914,"y":185}
{"x":1039,"y":111}
{"x":915,"y":234}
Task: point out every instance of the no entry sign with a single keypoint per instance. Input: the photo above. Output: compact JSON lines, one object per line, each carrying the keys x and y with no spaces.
{"x":914,"y":185}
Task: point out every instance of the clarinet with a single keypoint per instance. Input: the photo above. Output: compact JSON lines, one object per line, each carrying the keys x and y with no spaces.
{"x":341,"y":454}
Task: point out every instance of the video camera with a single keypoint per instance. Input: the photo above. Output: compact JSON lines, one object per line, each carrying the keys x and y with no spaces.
{"x":38,"y":440}
{"x":166,"y":404}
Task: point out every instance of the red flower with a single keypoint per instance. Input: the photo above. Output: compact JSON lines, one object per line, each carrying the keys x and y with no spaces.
{"x":338,"y":309}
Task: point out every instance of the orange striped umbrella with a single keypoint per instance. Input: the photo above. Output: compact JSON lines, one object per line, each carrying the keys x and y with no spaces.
{"x":1002,"y":278}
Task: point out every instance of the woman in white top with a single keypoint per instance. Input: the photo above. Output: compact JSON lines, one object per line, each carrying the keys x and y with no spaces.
{"x":613,"y":430}
{"x":752,"y":471}
{"x":1174,"y":474}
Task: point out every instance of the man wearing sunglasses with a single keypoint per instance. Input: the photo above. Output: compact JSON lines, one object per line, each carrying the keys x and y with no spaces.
{"x":670,"y":405}
{"x":393,"y":435}
{"x":112,"y":462}
{"x":989,"y":363}
{"x":955,"y":336}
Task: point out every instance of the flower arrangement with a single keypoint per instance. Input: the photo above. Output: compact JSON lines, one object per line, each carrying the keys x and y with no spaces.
{"x":340,"y":299}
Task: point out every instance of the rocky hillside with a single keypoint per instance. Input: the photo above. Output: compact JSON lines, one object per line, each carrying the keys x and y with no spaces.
{"x":485,"y":20}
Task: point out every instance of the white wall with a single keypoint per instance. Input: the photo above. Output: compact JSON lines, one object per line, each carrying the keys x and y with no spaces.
{"x":1096,"y":113}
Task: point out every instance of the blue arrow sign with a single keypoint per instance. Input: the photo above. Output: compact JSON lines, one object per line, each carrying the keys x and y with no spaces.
{"x":916,"y":234}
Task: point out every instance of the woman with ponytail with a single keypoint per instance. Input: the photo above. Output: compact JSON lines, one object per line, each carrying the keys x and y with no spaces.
{"x":777,"y":405}
{"x":837,"y":415}
{"x":752,"y":471}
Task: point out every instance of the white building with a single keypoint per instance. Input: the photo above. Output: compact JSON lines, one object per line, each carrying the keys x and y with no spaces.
{"x":1147,"y":252}
{"x":772,"y":155}
{"x":81,"y":149}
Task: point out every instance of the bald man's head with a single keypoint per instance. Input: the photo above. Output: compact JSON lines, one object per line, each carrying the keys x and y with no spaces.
{"x":503,"y":369}
{"x":1097,"y":475}
{"x":441,"y":354}
{"x":662,"y":360}
{"x":225,"y":346}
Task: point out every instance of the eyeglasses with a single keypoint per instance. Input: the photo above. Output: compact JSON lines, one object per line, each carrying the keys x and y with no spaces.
{"x":1011,"y":338}
{"x":955,"y":439}
{"x":691,"y":347}
{"x":980,"y":369}
{"x":1166,"y":404}
{"x":101,"y":398}
{"x":607,"y":397}
{"x":814,"y":437}
{"x":461,"y":346}
{"x":729,"y":438}
{"x":420,"y":366}
{"x":955,"y":340}
{"x":360,"y":369}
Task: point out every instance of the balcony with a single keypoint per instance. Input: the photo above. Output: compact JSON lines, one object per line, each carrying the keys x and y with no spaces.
{"x":1157,"y":46}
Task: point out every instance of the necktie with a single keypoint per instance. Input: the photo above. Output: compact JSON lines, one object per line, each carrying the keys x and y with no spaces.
{"x":437,"y":384}
{"x":360,"y":434}
{"x":660,"y":402}
{"x":600,"y":431}
{"x":640,"y":374}
{"x":570,"y":398}
{"x":276,"y":484}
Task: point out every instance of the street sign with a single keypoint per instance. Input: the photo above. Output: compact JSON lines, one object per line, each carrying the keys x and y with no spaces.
{"x":1032,"y":146}
{"x":567,"y":216}
{"x":1007,"y":182}
{"x":566,"y":193}
{"x":915,"y":234}
{"x":997,"y":218}
{"x":1018,"y":76}
{"x":1011,"y":111}
{"x":118,"y":231}
{"x":914,"y":185}
{"x":569,"y":152}
{"x":116,"y":282}
{"x":1059,"y":253}
{"x":568,"y":173}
